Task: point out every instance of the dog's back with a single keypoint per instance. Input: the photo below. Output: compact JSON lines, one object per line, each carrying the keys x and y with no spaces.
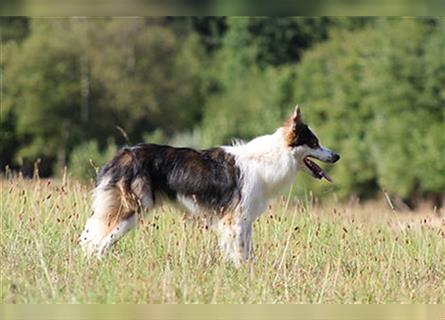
{"x":144,"y":175}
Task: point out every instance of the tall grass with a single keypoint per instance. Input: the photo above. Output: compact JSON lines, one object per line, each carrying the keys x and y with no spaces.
{"x":303,"y":254}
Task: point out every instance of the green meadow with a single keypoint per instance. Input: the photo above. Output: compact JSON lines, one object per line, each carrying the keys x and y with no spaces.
{"x":304,"y":253}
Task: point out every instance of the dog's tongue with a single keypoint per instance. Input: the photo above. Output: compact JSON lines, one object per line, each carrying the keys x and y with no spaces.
{"x":317,"y":170}
{"x":326,"y":176}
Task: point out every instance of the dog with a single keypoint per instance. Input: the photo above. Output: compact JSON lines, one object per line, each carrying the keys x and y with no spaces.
{"x":228,"y":185}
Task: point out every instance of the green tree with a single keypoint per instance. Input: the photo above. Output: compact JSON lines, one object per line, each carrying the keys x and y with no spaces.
{"x":376,"y":96}
{"x":253,"y":72}
{"x":76,"y":79}
{"x":254,"y":106}
{"x":87,"y":158}
{"x":149,"y":75}
{"x":42,"y":90}
{"x":407,"y":92}
{"x":249,"y":76}
{"x":13,"y":28}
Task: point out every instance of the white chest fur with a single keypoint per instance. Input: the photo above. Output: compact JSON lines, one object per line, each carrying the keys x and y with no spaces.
{"x":267,"y":168}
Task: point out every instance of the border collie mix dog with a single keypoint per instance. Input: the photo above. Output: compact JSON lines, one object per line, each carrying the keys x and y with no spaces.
{"x":229,"y":185}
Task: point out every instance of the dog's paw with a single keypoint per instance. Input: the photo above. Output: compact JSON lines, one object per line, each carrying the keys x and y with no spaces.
{"x":91,"y":238}
{"x":89,"y":246}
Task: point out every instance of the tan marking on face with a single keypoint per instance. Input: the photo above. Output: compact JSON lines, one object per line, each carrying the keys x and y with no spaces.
{"x":291,"y":126}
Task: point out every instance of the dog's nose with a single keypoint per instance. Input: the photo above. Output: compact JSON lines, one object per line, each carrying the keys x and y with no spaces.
{"x":336,"y":157}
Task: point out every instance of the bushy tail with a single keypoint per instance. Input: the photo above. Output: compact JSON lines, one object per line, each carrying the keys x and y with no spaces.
{"x":113,"y":199}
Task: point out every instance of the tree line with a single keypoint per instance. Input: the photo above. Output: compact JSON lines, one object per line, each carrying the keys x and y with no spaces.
{"x":76,"y":89}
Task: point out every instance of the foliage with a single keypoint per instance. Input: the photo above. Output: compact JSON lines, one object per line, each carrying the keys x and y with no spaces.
{"x":377,"y":95}
{"x":255,"y":105}
{"x":372,"y":88}
{"x":42,"y":91}
{"x":14,"y":28}
{"x":86,"y":159}
{"x":66,"y":83}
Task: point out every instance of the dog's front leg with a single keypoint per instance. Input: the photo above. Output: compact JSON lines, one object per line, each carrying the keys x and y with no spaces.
{"x":235,"y":239}
{"x":248,"y":251}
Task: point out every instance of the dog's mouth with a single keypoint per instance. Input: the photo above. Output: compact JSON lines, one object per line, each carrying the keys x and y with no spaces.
{"x":317,"y":172}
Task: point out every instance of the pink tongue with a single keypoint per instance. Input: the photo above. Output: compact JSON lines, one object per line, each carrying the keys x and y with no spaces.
{"x":326,"y":176}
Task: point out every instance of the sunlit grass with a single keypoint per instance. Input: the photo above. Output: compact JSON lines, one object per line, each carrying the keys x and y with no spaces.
{"x":303,"y":254}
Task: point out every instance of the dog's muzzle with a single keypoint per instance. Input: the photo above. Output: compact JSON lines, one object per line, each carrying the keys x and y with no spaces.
{"x":335,"y":158}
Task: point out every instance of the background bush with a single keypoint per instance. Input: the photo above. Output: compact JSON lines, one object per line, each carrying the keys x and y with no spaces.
{"x":372,"y":88}
{"x":86,"y":159}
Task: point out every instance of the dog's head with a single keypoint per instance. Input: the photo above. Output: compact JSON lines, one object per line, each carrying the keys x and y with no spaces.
{"x":304,"y":145}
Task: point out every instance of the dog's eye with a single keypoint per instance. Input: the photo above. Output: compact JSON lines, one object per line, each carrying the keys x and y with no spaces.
{"x":313,"y":144}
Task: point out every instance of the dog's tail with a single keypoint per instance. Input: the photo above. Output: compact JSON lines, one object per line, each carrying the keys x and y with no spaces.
{"x":120,"y":192}
{"x":114,"y":199}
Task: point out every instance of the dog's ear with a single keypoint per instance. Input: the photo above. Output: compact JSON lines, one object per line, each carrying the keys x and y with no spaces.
{"x":292,"y":125}
{"x":296,"y":116}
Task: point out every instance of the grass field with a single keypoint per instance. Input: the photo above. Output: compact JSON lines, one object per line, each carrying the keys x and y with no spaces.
{"x":304,"y":254}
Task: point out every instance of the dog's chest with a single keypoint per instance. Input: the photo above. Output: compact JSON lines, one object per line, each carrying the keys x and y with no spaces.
{"x":279,"y":175}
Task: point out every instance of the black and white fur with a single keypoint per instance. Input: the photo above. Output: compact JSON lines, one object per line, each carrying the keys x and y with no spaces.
{"x":229,"y":185}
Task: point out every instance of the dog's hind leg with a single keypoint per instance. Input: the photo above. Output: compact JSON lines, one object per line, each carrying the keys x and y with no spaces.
{"x":115,"y":209}
{"x":117,"y":232}
{"x":141,"y":193}
{"x":111,"y":205}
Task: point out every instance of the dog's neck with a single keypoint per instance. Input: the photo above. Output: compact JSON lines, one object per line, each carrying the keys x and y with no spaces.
{"x":267,"y":160}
